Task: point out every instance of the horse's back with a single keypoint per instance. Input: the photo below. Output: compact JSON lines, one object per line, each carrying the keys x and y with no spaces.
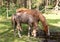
{"x":32,"y":12}
{"x":25,"y":18}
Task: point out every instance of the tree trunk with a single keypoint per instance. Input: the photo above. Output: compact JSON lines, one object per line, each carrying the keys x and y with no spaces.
{"x":14,"y":1}
{"x":29,"y":4}
{"x":19,"y":3}
{"x":1,"y":2}
{"x":56,"y":7}
{"x":8,"y":3}
{"x":49,"y":2}
{"x":7,"y":7}
{"x":7,"y":12}
{"x":25,"y":3}
{"x":46,"y":6}
{"x":39,"y":2}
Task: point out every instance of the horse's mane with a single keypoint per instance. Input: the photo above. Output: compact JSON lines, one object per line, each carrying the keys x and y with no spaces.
{"x":21,"y":9}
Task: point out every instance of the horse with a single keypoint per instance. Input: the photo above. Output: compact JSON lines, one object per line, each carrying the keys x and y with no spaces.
{"x":19,"y":18}
{"x":38,"y":17}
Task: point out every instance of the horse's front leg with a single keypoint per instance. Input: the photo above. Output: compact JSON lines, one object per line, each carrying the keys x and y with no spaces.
{"x":34,"y":32}
{"x":19,"y":30}
{"x":35,"y":28}
{"x":19,"y":34}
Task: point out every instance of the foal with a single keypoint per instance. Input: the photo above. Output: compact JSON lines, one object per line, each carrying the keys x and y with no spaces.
{"x":38,"y":16}
{"x":19,"y":18}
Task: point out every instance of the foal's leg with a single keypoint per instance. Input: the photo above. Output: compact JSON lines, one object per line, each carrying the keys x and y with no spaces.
{"x":15,"y":30}
{"x":29,"y":31}
{"x":19,"y":33}
{"x":35,"y":28}
{"x":14,"y":27}
{"x":19,"y":29}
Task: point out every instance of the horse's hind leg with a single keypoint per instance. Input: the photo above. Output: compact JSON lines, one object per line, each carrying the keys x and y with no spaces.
{"x":19,"y":30}
{"x":15,"y":30}
{"x":14,"y":27}
{"x":19,"y":33}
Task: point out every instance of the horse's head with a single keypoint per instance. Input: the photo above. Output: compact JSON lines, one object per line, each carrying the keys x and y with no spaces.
{"x":40,"y":33}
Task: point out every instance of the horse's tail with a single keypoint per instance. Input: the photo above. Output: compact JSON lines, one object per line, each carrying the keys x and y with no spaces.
{"x":13,"y":21}
{"x":13,"y":24}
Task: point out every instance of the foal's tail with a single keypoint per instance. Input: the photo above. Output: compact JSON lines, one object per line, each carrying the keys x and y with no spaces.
{"x":13,"y":21}
{"x":13,"y":24}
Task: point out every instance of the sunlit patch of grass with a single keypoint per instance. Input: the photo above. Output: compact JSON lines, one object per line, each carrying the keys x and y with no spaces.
{"x":53,"y":20}
{"x":54,"y":25}
{"x":52,"y":16}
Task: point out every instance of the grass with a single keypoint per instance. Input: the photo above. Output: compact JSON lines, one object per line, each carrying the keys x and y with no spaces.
{"x":6,"y":30}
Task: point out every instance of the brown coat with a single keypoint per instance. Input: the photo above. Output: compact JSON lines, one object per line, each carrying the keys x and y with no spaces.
{"x":37,"y":15}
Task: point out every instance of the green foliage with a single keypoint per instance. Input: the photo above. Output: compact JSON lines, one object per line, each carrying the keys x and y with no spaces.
{"x":2,"y":10}
{"x":12,"y":11}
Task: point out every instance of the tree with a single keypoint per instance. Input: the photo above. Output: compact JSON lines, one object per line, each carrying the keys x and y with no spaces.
{"x":29,"y":4}
{"x":25,"y":3}
{"x":56,"y":7}
{"x":7,"y":6}
{"x":39,"y":2}
{"x":1,"y":2}
{"x":14,"y":1}
{"x":46,"y":5}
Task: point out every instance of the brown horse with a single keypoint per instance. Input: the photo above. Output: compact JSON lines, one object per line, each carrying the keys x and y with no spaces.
{"x":19,"y":18}
{"x":37,"y":15}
